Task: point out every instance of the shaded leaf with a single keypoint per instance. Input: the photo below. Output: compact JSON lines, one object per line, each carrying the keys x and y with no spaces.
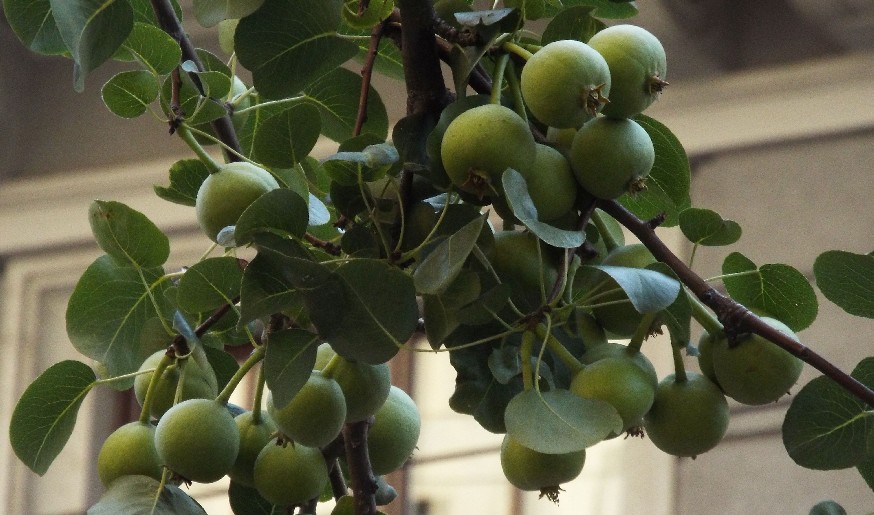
{"x":186,"y":176}
{"x":505,"y":364}
{"x":779,"y":290}
{"x":282,"y":137}
{"x":572,"y":23}
{"x":667,"y":186}
{"x":143,"y":495}
{"x":45,"y":415}
{"x":826,"y":427}
{"x":648,"y":290}
{"x":128,"y":94}
{"x":290,"y":359}
{"x":34,"y":24}
{"x":336,"y":95}
{"x":557,"y":421}
{"x":678,"y":316}
{"x":440,"y":311}
{"x":520,"y":201}
{"x":610,"y":9}
{"x":93,"y":30}
{"x":475,"y":18}
{"x":127,"y":235}
{"x":706,"y":227}
{"x":281,"y":211}
{"x":847,"y":279}
{"x":211,"y":12}
{"x":477,"y":392}
{"x":442,"y":265}
{"x":123,"y":332}
{"x":210,"y":283}
{"x":246,"y":500}
{"x":288,"y":45}
{"x":266,"y":289}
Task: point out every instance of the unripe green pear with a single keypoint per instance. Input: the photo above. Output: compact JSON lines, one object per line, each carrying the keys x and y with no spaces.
{"x":620,"y":382}
{"x":225,"y":194}
{"x":197,"y":384}
{"x":365,"y":387}
{"x":315,"y":415}
{"x":530,"y":470}
{"x":621,"y":319}
{"x":254,"y":436}
{"x":394,"y":433}
{"x":128,"y":451}
{"x":290,"y":474}
{"x":198,"y":440}
{"x":551,"y":183}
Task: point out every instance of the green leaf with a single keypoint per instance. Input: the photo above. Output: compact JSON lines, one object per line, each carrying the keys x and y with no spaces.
{"x":374,"y":313}
{"x":520,"y":201}
{"x":505,"y":364}
{"x":557,"y":421}
{"x":649,"y":291}
{"x":44,"y":417}
{"x":288,"y":45}
{"x":336,"y":95}
{"x":210,"y":283}
{"x":440,"y":311}
{"x":34,"y":24}
{"x":374,"y":12}
{"x":847,"y":279}
{"x":281,"y":211}
{"x":143,"y":495}
{"x":572,"y":23}
{"x":152,"y":47}
{"x":266,"y":289}
{"x":129,"y":94}
{"x":678,"y":316}
{"x":779,"y":290}
{"x":186,"y":176}
{"x":706,"y":227}
{"x":144,"y":13}
{"x":93,"y":30}
{"x":110,"y":317}
{"x":440,"y":267}
{"x":211,"y":12}
{"x":477,"y":392}
{"x":866,"y":469}
{"x":246,"y":500}
{"x":282,"y":137}
{"x":223,"y":364}
{"x":290,"y":359}
{"x":667,"y":186}
{"x":609,"y":9}
{"x":127,"y":235}
{"x":828,"y":428}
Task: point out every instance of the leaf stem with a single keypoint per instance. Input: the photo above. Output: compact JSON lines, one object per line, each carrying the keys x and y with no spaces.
{"x":259,"y":394}
{"x":514,"y":48}
{"x":679,"y":366}
{"x":609,"y":241}
{"x":146,"y":411}
{"x":561,"y":352}
{"x":643,"y":330}
{"x":498,"y":79}
{"x":184,"y":132}
{"x":525,"y":351}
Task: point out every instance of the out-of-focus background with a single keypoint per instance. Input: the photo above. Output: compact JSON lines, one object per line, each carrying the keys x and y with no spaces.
{"x":774,"y":102}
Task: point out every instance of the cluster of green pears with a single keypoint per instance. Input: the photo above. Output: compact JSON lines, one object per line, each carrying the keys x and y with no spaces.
{"x":187,"y":428}
{"x":585,"y":94}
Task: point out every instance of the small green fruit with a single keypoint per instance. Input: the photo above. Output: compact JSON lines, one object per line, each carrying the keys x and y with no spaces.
{"x":621,"y":319}
{"x":197,"y":384}
{"x":687,"y":417}
{"x":253,"y":438}
{"x":529,"y":470}
{"x":565,"y":83}
{"x":290,"y":474}
{"x":225,"y":194}
{"x":611,"y":157}
{"x":617,"y":350}
{"x":315,"y":415}
{"x":551,"y":183}
{"x":395,"y":431}
{"x":756,"y":371}
{"x":365,"y":387}
{"x":128,"y":451}
{"x":621,"y":383}
{"x":481,"y":143}
{"x":638,"y":68}
{"x":198,"y":440}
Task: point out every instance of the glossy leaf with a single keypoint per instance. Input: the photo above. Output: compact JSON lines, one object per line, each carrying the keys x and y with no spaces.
{"x":290,"y":359}
{"x":288,"y":45}
{"x":706,"y":227}
{"x":520,"y":201}
{"x":667,"y":186}
{"x":847,"y":279}
{"x":142,"y":495}
{"x":123,"y":332}
{"x":572,"y":23}
{"x":336,"y":95}
{"x":210,"y":283}
{"x":828,"y":428}
{"x":44,"y":417}
{"x":34,"y":24}
{"x":127,"y":235}
{"x":128,"y":94}
{"x":557,"y":421}
{"x":281,"y":211}
{"x":649,"y":291}
{"x":282,"y":137}
{"x":442,"y":265}
{"x":776,"y":289}
{"x":152,"y":47}
{"x":93,"y":30}
{"x":211,"y":12}
{"x":186,"y":176}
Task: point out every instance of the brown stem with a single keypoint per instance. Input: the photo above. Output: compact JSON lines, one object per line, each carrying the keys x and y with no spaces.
{"x":361,"y":476}
{"x":426,"y":91}
{"x":169,"y":23}
{"x":736,"y":318}
{"x":367,"y":74}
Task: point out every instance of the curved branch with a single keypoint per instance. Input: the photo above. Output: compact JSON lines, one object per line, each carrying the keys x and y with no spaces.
{"x":736,"y":318}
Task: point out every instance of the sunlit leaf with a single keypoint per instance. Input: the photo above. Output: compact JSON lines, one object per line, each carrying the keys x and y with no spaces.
{"x":847,"y":279}
{"x":129,"y":94}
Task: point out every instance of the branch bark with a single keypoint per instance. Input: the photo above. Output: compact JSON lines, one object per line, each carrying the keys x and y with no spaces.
{"x":736,"y":318}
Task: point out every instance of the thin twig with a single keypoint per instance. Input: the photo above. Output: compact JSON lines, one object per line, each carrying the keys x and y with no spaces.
{"x":367,"y":74}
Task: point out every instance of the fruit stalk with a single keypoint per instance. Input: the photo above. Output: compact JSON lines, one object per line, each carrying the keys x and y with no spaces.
{"x":253,"y":359}
{"x":145,"y":412}
{"x":736,"y":318}
{"x":560,"y":351}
